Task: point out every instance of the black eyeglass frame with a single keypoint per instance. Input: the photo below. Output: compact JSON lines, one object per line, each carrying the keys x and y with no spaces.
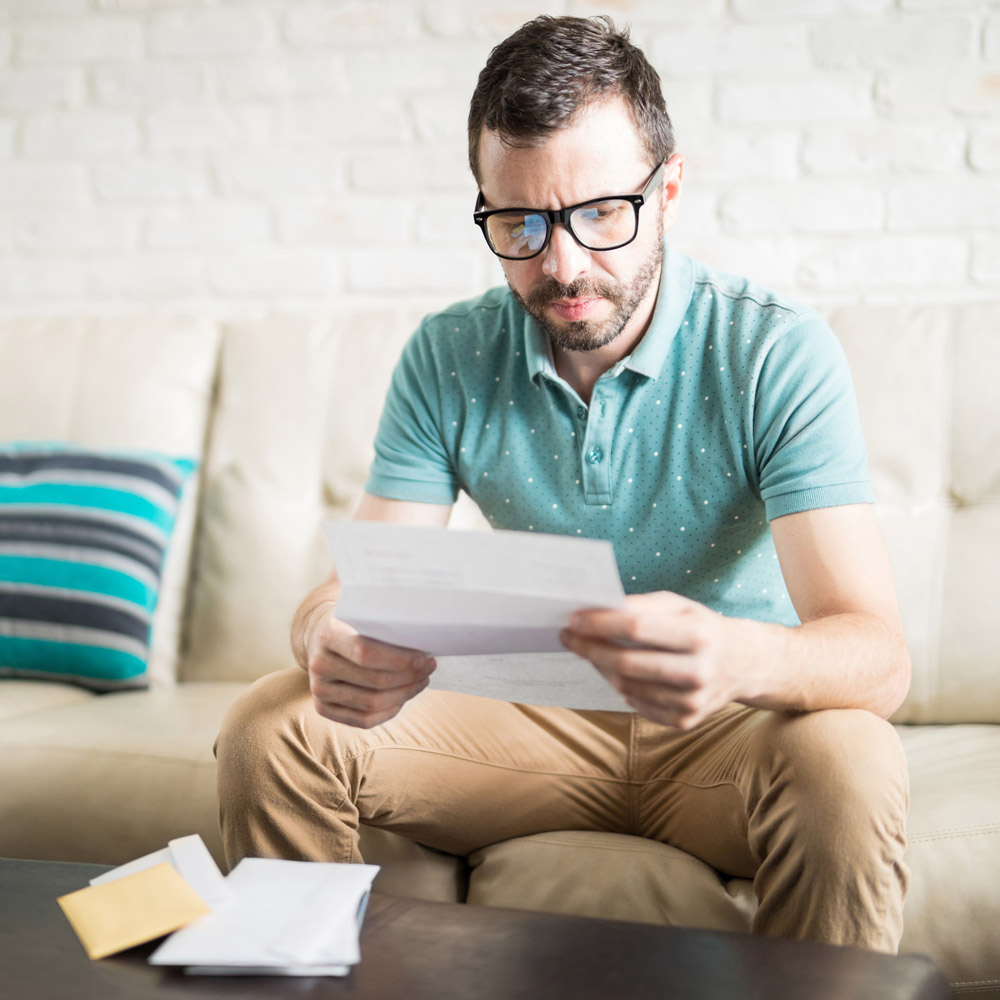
{"x":553,"y":216}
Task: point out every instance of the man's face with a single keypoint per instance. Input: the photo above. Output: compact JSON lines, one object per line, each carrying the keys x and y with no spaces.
{"x":583,"y":299}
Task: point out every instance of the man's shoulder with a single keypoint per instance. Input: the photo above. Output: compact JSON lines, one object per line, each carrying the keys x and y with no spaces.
{"x":744,"y":298}
{"x":749,"y":321}
{"x":468,"y":337}
{"x":493,"y":311}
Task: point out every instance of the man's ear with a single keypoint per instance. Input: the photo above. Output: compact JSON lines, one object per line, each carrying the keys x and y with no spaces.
{"x":670,"y":190}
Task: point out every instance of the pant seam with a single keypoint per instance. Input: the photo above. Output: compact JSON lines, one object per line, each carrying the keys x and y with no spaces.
{"x":485,"y":763}
{"x":634,"y":794}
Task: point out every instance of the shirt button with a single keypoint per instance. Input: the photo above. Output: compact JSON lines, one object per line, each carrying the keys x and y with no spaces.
{"x":594,"y":455}
{"x":581,"y":413}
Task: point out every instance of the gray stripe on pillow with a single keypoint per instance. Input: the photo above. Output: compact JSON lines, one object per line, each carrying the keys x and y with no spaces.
{"x":113,"y":518}
{"x":75,"y":610}
{"x":149,"y":467}
{"x":70,"y":532}
{"x":72,"y":634}
{"x":108,"y":600}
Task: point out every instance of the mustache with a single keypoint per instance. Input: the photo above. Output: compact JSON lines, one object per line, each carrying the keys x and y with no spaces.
{"x":549,"y":290}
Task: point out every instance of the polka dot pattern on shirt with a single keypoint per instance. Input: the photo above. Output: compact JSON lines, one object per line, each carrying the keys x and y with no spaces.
{"x":677,"y":457}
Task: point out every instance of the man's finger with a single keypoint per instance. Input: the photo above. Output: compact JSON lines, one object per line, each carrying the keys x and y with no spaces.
{"x":340,"y":670}
{"x":373,"y":654}
{"x":366,"y":701}
{"x":673,"y":670}
{"x":675,"y":631}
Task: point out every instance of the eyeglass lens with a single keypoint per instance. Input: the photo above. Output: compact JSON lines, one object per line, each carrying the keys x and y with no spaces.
{"x":601,"y":225}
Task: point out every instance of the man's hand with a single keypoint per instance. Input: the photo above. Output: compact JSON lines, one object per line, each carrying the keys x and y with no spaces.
{"x":360,"y":681}
{"x":668,"y":655}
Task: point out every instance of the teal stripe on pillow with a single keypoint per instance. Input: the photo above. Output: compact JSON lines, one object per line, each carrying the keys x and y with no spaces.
{"x":160,"y":513}
{"x":136,"y":583}
{"x":83,"y":536}
{"x":97,"y":667}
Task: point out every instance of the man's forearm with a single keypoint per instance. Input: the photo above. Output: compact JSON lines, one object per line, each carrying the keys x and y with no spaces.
{"x":851,"y":660}
{"x":317,"y":604}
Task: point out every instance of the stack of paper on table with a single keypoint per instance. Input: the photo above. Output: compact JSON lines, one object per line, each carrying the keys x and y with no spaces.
{"x":267,"y":917}
{"x":291,"y":918}
{"x":489,"y":606}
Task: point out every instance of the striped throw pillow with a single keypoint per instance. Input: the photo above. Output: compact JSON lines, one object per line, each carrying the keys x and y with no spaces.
{"x":83,"y":535}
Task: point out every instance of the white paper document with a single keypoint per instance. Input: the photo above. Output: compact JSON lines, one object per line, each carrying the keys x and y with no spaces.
{"x":559,"y":679}
{"x":290,"y":918}
{"x":488,"y":605}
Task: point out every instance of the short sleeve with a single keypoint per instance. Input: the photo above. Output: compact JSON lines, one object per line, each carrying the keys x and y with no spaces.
{"x":411,"y":454}
{"x":808,"y":446}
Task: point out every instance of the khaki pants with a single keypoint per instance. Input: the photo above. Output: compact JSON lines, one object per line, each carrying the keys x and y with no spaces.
{"x":812,"y":806}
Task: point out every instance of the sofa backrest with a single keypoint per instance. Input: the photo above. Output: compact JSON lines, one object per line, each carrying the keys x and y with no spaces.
{"x":927,"y":379}
{"x":296,"y":400}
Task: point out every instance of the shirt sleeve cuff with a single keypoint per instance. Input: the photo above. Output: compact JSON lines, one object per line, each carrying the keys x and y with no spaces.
{"x":820,"y":496}
{"x":397,"y":488}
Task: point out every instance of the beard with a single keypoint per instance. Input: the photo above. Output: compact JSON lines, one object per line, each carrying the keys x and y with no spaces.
{"x":584,"y":334}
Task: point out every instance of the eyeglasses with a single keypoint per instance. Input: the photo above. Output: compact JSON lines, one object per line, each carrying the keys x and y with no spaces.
{"x":598,"y":224}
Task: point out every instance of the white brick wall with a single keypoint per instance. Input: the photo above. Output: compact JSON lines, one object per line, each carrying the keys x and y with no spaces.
{"x":221,"y":155}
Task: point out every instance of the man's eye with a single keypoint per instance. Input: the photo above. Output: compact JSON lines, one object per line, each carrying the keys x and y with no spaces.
{"x":602,"y":212}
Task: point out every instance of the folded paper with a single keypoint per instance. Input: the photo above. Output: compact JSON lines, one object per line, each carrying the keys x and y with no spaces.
{"x":132,"y":910}
{"x":488,"y":605}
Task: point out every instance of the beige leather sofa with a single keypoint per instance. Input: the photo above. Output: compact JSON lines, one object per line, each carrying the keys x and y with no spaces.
{"x":281,"y":411}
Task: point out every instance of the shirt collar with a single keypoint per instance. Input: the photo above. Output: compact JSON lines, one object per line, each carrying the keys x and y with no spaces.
{"x":537,"y":351}
{"x":672,"y":300}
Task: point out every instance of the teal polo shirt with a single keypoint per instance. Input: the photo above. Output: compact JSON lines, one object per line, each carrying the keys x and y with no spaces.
{"x":736,"y":407}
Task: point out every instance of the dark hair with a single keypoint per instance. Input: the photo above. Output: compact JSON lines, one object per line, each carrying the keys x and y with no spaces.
{"x":537,"y":81}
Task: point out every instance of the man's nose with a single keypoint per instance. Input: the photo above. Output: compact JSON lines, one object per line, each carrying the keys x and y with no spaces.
{"x":564,"y":259}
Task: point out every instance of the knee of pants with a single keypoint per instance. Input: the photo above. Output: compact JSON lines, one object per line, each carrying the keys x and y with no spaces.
{"x":259,"y":719}
{"x":842,"y":769}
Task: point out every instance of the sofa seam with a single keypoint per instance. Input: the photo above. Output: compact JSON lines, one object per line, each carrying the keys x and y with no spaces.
{"x":976,"y":831}
{"x":21,"y":716}
{"x":105,"y":750}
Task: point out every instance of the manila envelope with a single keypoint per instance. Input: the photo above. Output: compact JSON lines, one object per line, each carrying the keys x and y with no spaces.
{"x":132,"y":910}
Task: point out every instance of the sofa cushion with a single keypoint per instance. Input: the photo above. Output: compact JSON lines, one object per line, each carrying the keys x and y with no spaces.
{"x":83,"y":535}
{"x":954,"y":850}
{"x":411,"y":869}
{"x":112,"y":777}
{"x":292,"y":438}
{"x":299,"y":398}
{"x":610,"y":875}
{"x":24,"y":697}
{"x":118,"y":382}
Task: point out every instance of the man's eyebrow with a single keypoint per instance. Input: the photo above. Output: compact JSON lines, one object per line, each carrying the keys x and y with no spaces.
{"x":487,"y":207}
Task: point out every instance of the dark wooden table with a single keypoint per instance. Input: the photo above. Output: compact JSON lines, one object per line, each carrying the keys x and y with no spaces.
{"x":418,"y":951}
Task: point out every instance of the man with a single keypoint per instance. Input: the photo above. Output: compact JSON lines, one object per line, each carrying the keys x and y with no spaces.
{"x":617,"y":389}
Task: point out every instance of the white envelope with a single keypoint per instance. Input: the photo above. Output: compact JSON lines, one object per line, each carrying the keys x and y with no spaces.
{"x":191,"y":858}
